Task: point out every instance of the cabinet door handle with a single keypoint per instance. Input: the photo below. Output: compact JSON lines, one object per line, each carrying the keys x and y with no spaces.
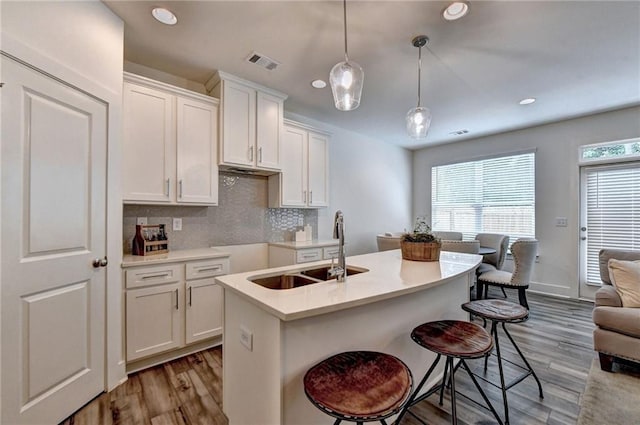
{"x":250,"y":153}
{"x":168,"y":186}
{"x":304,"y":196}
{"x":177,"y":302}
{"x":311,"y":197}
{"x":209,"y":268}
{"x":260,"y":154}
{"x":180,"y":187}
{"x":189,"y":296}
{"x":151,"y":276}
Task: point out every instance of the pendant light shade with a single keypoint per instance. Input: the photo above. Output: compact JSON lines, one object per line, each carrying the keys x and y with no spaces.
{"x":346,"y":78}
{"x":418,"y":122}
{"x":419,"y":118}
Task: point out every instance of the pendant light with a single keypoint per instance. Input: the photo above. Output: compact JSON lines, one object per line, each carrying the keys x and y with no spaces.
{"x":419,"y":118}
{"x":346,"y":78}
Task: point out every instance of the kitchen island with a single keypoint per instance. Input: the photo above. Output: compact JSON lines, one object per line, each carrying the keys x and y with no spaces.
{"x":272,"y":337}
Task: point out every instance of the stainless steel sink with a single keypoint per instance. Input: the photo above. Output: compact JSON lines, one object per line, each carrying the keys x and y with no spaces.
{"x":298,"y":278}
{"x":322,"y":273}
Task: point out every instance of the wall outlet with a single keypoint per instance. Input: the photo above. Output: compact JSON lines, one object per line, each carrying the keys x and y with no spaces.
{"x":246,"y":338}
{"x":177,"y":224}
{"x":561,"y":222}
{"x":300,"y":221}
{"x":141,"y":221}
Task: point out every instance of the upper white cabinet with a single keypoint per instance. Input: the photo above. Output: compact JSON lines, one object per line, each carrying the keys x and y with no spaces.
{"x":251,"y":124}
{"x":303,"y":182}
{"x":170,"y":144}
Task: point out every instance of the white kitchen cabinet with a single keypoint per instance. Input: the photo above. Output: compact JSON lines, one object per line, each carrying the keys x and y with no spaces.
{"x":304,"y":180}
{"x":170,"y":144}
{"x":155,"y":316}
{"x":251,"y":124}
{"x":204,"y":310}
{"x":171,"y":306}
{"x":204,"y":299}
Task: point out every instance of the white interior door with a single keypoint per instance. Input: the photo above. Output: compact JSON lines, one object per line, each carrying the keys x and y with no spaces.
{"x":54,"y":140}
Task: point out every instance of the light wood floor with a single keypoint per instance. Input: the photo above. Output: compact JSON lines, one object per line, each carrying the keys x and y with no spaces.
{"x":556,"y":340}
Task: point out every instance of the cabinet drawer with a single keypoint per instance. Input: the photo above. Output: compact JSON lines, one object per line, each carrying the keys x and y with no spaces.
{"x":153,"y":275}
{"x":207,"y":268}
{"x":330,"y":252}
{"x":306,"y":255}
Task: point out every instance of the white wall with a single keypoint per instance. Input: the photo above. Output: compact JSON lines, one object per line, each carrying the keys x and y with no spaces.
{"x":370,"y":181}
{"x":83,"y":39}
{"x":557,"y":183}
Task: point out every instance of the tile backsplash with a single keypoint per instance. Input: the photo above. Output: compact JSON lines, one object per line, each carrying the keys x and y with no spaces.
{"x":241,"y":217}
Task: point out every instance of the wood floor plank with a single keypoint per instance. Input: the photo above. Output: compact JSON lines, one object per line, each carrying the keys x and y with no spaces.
{"x":172,"y":417}
{"x":157,"y":393}
{"x":129,"y":409}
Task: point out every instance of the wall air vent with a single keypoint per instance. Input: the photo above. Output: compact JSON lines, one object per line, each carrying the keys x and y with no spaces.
{"x":263,"y":61}
{"x":459,"y":132}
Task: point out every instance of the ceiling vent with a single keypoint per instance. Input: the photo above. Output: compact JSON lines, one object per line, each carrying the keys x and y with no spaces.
{"x":459,"y":132}
{"x":263,"y":61}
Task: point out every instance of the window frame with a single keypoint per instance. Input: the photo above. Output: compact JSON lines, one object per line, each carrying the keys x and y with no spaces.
{"x":486,"y":158}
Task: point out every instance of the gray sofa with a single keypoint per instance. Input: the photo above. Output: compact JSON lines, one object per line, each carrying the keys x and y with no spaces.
{"x":617,"y":332}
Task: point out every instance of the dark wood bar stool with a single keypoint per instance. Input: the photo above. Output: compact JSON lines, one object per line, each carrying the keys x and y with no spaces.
{"x":503,"y":312}
{"x":359,"y":386}
{"x":453,"y":339}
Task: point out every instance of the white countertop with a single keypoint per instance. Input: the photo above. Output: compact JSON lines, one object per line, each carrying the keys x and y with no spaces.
{"x":389,"y":276}
{"x":173,"y":257}
{"x":316,"y":243}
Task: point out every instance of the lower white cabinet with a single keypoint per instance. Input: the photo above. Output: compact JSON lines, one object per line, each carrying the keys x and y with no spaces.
{"x":154,"y":320}
{"x":170,"y":306}
{"x":204,"y":310}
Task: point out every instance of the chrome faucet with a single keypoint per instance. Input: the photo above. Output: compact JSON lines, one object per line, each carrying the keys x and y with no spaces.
{"x":339,"y":271}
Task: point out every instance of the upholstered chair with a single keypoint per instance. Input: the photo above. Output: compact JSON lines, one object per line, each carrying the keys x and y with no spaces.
{"x":388,"y":242}
{"x":617,"y":332}
{"x":524,"y":252}
{"x":448,"y":236}
{"x":493,"y":261}
{"x":468,"y":247}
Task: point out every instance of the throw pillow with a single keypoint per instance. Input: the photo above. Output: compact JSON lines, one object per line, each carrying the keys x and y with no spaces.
{"x":625,"y":277}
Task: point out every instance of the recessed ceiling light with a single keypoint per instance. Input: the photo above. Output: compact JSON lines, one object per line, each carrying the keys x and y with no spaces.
{"x":527,"y":101}
{"x":318,"y":84}
{"x":164,"y":15}
{"x":455,"y":10}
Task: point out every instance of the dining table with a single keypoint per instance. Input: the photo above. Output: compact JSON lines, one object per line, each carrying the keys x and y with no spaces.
{"x":486,"y":250}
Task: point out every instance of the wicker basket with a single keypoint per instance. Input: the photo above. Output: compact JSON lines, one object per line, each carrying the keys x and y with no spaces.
{"x":420,"y":251}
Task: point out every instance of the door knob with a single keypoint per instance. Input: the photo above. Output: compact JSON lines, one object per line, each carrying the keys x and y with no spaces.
{"x":100,"y":262}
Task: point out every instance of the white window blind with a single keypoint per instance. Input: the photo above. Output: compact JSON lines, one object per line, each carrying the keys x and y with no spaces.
{"x":612,"y":212}
{"x":495,"y":195}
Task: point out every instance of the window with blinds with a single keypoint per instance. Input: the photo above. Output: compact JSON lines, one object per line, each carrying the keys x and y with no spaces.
{"x":612,"y":208}
{"x":495,"y":195}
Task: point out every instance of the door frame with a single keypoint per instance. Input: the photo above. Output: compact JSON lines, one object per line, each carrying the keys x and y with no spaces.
{"x":115,"y":372}
{"x":587,"y":291}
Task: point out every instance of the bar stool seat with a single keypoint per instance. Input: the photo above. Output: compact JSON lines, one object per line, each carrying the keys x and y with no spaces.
{"x":503,"y":311}
{"x":359,"y":386}
{"x":454,"y":339}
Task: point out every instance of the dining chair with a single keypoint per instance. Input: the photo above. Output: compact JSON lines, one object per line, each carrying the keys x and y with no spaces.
{"x":468,"y":247}
{"x":493,"y":261}
{"x":524,"y":252}
{"x":448,"y":236}
{"x":388,"y":242}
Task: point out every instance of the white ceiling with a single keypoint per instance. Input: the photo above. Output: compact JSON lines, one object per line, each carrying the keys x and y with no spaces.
{"x":575,"y":57}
